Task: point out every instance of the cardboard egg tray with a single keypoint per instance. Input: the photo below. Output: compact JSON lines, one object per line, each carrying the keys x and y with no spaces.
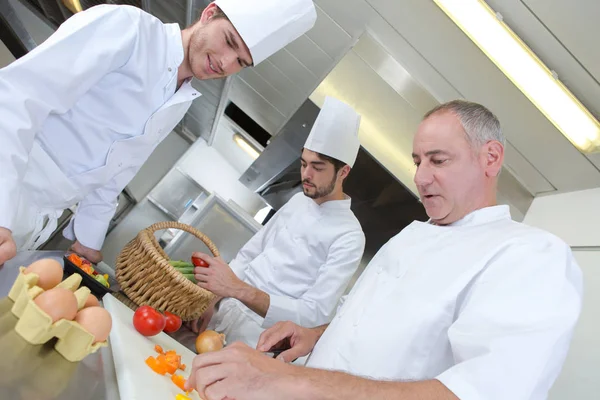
{"x":36,"y":327}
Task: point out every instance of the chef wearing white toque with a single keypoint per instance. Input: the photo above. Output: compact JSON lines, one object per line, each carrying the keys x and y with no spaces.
{"x":82,"y":112}
{"x":298,"y":266}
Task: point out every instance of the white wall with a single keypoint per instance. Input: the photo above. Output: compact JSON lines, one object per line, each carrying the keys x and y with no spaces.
{"x":580,"y":377}
{"x":213,"y":171}
{"x":574,"y":217}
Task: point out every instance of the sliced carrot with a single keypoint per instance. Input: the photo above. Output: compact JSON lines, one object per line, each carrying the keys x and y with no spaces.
{"x":169,"y":364}
{"x":158,"y":349}
{"x":156,"y":365}
{"x":179,"y":381}
{"x":182,"y":367}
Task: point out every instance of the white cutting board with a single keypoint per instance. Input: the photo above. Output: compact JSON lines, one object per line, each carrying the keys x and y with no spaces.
{"x":130,"y":350}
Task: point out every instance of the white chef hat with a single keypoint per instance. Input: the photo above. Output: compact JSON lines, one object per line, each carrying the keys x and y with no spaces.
{"x":335,"y":132}
{"x":267,"y":26}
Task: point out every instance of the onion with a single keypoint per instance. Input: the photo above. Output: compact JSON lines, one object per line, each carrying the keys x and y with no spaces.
{"x":209,"y":341}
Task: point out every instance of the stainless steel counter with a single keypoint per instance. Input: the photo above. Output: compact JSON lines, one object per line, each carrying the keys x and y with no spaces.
{"x":39,"y":372}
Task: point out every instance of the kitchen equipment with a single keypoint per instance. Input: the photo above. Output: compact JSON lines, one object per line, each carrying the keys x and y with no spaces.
{"x":130,"y":349}
{"x":146,"y":277}
{"x":96,"y":287}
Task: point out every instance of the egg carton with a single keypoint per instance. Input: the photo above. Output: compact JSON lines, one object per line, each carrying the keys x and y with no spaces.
{"x":36,"y":327}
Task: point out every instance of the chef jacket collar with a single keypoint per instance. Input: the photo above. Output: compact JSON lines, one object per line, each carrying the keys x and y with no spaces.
{"x":332,"y":204}
{"x":175,"y":52}
{"x":481,"y":216}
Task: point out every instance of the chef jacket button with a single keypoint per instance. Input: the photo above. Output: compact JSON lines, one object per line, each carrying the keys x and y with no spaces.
{"x":170,"y":69}
{"x":120,"y":164}
{"x":193,"y":94}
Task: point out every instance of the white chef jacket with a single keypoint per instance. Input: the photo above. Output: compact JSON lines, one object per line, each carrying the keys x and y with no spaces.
{"x":82,"y":112}
{"x":486,"y":305}
{"x":304,"y":259}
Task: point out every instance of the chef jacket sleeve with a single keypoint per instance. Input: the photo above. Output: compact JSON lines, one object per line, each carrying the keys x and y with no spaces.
{"x":318,"y":304}
{"x":50,"y":79}
{"x":515,"y":324}
{"x":253,"y":247}
{"x":95,"y":211}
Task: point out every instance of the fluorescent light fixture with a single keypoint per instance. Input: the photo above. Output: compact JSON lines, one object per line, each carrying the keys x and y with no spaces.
{"x":486,"y":29}
{"x":245,"y":145}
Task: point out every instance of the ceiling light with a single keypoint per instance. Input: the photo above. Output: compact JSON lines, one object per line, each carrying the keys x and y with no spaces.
{"x":245,"y":145}
{"x":487,"y":30}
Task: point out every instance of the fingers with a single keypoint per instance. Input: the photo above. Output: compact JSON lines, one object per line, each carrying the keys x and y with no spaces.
{"x":208,"y":376}
{"x":204,"y":325}
{"x":203,"y":256}
{"x":193,"y":325}
{"x":202,"y":271}
{"x":293,"y":353}
{"x":217,"y":391}
{"x":8,"y":249}
{"x":274,"y":335}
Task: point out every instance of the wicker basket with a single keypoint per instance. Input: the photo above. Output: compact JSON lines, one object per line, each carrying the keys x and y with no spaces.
{"x":146,"y":277}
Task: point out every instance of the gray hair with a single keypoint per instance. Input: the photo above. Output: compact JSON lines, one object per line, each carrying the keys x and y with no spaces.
{"x":480,"y":124}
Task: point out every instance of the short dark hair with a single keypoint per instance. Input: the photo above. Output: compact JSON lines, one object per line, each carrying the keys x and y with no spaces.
{"x":337,"y":164}
{"x":219,"y":14}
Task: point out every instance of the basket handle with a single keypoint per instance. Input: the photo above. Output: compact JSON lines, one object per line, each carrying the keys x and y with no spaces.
{"x":187,"y":228}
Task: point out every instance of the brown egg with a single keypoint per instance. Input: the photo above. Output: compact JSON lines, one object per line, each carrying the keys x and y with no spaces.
{"x":95,"y":320}
{"x":58,"y":303}
{"x":91,"y":301}
{"x":50,"y":272}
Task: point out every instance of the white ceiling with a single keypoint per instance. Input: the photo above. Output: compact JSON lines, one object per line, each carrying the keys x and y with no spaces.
{"x":413,"y":57}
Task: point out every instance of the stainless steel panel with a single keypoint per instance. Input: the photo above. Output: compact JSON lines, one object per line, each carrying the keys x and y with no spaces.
{"x":256,"y":106}
{"x":328,"y":35}
{"x":227,"y":226}
{"x":294,"y":69}
{"x":285,"y":103}
{"x":394,"y":74}
{"x":175,"y":193}
{"x":311,"y":56}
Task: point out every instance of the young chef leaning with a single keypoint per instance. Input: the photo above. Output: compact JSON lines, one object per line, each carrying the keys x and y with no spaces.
{"x":468,"y":305}
{"x":298,"y":266}
{"x":82,"y":112}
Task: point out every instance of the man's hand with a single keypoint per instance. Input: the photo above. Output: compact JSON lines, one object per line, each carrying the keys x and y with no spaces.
{"x":93,"y":256}
{"x":286,"y":335}
{"x":238,"y":372}
{"x":217,"y":277}
{"x":8,"y":247}
{"x":199,"y":325}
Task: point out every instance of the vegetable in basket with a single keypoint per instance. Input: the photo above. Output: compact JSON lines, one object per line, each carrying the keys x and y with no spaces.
{"x":185,"y":268}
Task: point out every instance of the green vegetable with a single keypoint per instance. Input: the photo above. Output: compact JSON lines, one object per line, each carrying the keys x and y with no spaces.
{"x":101,"y":279}
{"x":185,"y":268}
{"x":181,"y":264}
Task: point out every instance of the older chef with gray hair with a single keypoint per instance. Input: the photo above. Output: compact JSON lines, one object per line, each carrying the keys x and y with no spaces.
{"x":298,"y":266}
{"x":82,"y":112}
{"x":469,"y":305}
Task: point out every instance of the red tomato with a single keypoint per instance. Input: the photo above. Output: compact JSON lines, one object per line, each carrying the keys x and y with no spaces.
{"x":198,"y":262}
{"x":173,"y":322}
{"x":148,"y":321}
